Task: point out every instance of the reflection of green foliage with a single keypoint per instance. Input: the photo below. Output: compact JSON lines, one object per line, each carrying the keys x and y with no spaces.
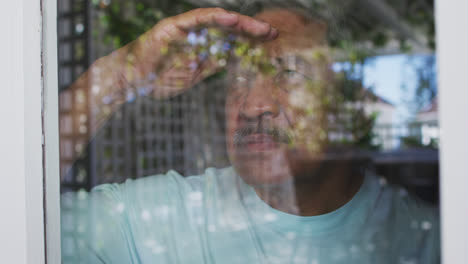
{"x":426,"y":87}
{"x":354,"y":22}
{"x":124,"y":21}
{"x":348,"y":24}
{"x":349,"y":111}
{"x":361,"y":128}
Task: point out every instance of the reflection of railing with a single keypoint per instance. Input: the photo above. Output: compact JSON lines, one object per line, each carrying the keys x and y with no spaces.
{"x":410,"y":135}
{"x":148,"y":137}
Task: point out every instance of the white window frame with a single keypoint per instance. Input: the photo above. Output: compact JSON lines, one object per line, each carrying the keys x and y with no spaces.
{"x":29,"y":150}
{"x":452,"y":60}
{"x":51,"y":132}
{"x":21,"y":195}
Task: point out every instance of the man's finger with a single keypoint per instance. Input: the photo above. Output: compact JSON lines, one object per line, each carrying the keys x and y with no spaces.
{"x":218,"y":17}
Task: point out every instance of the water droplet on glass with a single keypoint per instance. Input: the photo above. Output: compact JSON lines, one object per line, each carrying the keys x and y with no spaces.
{"x":107,"y":99}
{"x":145,"y":215}
{"x":95,"y":89}
{"x":201,"y":40}
{"x":211,"y":228}
{"x":149,"y":243}
{"x":193,"y":65}
{"x":403,"y":192}
{"x":222,"y":62}
{"x":162,"y":211}
{"x":120,"y":207}
{"x":203,"y":55}
{"x":195,"y":196}
{"x":142,"y":91}
{"x":82,"y":195}
{"x":226,"y":46}
{"x":370,"y":247}
{"x":79,"y":28}
{"x":291,"y":235}
{"x":214,"y":49}
{"x":383,"y":181}
{"x":192,"y":38}
{"x":270,"y":217}
{"x":151,"y":77}
{"x":130,"y":97}
{"x":158,"y":249}
{"x":426,"y":225}
{"x":354,"y":249}
{"x":83,"y":129}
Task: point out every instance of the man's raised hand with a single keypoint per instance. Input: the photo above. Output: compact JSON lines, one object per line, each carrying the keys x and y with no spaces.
{"x":166,"y":58}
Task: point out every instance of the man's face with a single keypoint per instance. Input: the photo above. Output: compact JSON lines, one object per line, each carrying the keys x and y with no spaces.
{"x":273,"y":114}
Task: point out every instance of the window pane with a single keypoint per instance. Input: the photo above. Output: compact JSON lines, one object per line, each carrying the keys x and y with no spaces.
{"x":282,"y":132}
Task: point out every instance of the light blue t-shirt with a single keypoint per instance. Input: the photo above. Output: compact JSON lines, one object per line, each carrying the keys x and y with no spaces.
{"x":217,"y":218}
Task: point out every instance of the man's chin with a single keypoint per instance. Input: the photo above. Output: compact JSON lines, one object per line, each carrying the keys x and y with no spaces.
{"x":263,"y":167}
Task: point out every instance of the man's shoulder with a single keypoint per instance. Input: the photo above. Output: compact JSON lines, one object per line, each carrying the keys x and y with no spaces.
{"x":405,"y":214}
{"x":402,"y":202}
{"x":409,"y":222}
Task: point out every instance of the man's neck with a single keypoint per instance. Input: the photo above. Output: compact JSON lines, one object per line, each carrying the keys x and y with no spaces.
{"x":310,"y":195}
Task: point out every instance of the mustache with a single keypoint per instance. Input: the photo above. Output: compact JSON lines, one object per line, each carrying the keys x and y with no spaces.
{"x":278,"y":134}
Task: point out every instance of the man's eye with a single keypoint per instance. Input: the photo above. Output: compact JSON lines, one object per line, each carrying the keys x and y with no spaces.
{"x":289,"y":80}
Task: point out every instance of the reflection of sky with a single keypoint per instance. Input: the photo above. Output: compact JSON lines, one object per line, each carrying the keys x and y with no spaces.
{"x":393,"y":78}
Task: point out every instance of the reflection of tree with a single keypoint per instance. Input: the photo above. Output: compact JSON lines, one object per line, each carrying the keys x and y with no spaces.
{"x":123,"y":21}
{"x":357,"y":31}
{"x":426,"y":82}
{"x":377,"y":24}
{"x":370,"y":27}
{"x":358,"y":124}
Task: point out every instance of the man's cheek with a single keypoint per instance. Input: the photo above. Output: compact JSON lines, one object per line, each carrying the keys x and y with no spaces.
{"x":231,"y":126}
{"x":307,"y":129}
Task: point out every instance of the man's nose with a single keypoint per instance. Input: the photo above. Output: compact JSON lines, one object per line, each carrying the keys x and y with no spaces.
{"x":260,"y":100}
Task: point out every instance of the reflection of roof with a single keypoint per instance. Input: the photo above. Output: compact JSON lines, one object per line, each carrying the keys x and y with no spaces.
{"x":384,"y":101}
{"x":377,"y":98}
{"x":433,"y":107}
{"x":429,"y":113}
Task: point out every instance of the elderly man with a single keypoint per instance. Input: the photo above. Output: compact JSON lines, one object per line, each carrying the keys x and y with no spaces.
{"x":277,"y":203}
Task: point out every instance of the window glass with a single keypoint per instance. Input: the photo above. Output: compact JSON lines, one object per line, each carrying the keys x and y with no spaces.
{"x":248,"y":131}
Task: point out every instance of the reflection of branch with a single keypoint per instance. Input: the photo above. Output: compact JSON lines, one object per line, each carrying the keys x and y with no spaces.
{"x":379,"y":9}
{"x":236,"y":4}
{"x":387,"y":15}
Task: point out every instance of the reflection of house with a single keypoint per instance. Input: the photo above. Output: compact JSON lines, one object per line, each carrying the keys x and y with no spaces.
{"x":429,"y":114}
{"x":429,"y":121}
{"x":384,"y":122}
{"x":379,"y":115}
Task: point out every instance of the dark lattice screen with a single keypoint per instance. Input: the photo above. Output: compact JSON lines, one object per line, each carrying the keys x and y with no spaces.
{"x":149,"y":136}
{"x":73,"y":59}
{"x":145,"y":136}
